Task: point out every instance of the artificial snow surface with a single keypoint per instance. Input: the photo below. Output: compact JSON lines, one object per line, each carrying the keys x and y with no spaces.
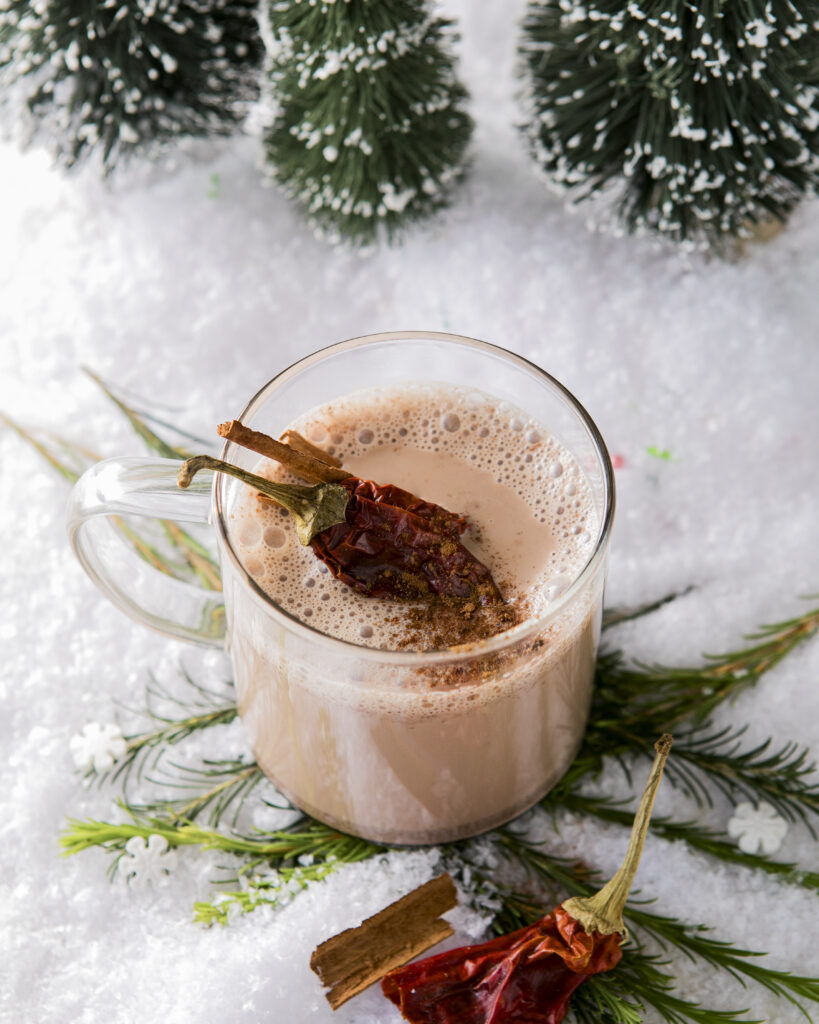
{"x":196,"y":285}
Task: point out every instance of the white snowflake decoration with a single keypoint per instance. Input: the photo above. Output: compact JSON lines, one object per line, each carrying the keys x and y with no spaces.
{"x":757,"y":829}
{"x":98,"y":747}
{"x":147,"y":863}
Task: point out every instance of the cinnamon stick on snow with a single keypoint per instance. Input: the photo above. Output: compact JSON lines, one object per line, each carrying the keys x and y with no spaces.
{"x":358,"y":957}
{"x":303,"y":465}
{"x":295,"y":440}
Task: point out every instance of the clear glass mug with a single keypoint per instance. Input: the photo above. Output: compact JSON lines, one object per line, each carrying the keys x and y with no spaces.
{"x":363,"y":739}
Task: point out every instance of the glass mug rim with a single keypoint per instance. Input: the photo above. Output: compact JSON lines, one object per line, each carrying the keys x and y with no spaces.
{"x":450,"y":655}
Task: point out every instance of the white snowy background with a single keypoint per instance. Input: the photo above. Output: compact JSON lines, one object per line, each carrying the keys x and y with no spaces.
{"x":197,"y":284}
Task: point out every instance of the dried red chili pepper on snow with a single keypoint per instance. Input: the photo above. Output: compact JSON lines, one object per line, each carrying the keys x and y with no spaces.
{"x":528,"y":976}
{"x":379,"y":539}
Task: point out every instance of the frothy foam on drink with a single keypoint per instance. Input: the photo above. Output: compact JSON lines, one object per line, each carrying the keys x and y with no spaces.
{"x":532,"y":516}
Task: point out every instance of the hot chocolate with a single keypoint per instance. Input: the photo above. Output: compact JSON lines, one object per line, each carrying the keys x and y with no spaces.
{"x":425,"y":749}
{"x":531,"y":514}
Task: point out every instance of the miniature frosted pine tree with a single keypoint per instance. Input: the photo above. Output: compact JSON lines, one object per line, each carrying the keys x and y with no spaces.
{"x":370,"y":130}
{"x":697,"y":118}
{"x":109,"y":76}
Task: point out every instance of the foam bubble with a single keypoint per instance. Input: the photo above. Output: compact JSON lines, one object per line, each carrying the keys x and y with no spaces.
{"x":255,"y":566}
{"x":459,"y":427}
{"x":556,"y":587}
{"x":250,"y":531}
{"x":274,"y":537}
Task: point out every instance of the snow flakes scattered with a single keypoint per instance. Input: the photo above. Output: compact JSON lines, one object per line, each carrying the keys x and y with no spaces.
{"x":98,"y":747}
{"x":482,"y":854}
{"x":757,"y":829}
{"x":126,"y":133}
{"x":332,"y":64}
{"x":396,"y":200}
{"x":686,"y":129}
{"x":356,"y":138}
{"x":147,"y":863}
{"x":757,"y":33}
{"x":722,"y":140}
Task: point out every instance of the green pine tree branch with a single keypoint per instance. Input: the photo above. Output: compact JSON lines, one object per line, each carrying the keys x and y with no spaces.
{"x":201,"y":709}
{"x":632,"y":706}
{"x":274,"y":849}
{"x":152,"y":441}
{"x":713,"y":843}
{"x":782,"y":777}
{"x":227,"y":785}
{"x":188,"y":559}
{"x":638,"y":978}
{"x":265,"y":891}
{"x":618,"y":616}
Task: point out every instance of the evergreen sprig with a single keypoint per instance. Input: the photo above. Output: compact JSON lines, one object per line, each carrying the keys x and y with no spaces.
{"x":640,"y":983}
{"x":782,"y":777}
{"x":114,"y":78}
{"x":695,"y":120}
{"x":371,"y":128}
{"x":632,"y":704}
{"x":278,"y":849}
{"x":217,"y":786}
{"x":167,"y":547}
{"x":704,"y":840}
{"x":140,"y":414}
{"x":201,"y":709}
{"x":269,"y":889}
{"x":280,"y":864}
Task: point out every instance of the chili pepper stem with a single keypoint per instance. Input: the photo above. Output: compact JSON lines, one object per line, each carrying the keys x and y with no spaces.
{"x":313,"y":509}
{"x":603,"y":912}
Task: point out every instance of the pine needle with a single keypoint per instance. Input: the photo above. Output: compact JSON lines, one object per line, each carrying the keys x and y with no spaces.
{"x":713,"y":843}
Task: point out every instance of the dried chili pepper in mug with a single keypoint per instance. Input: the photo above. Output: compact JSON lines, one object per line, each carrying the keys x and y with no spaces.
{"x":395,"y":545}
{"x":528,"y":976}
{"x":378,"y":539}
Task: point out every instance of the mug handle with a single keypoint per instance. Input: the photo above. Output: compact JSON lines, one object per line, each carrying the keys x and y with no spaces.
{"x":127,"y":572}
